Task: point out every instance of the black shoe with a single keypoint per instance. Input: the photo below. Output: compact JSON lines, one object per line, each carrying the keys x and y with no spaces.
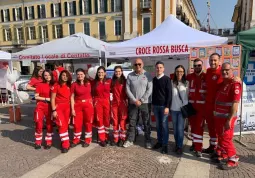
{"x":191,"y":148}
{"x":198,"y":154}
{"x":157,"y":145}
{"x":228,"y":166}
{"x":148,"y":145}
{"x":47,"y":147}
{"x":37,"y":147}
{"x":114,"y":144}
{"x":85,"y":144}
{"x":103,"y":144}
{"x":121,"y":143}
{"x":107,"y":142}
{"x":73,"y":145}
{"x":164,"y":149}
{"x":179,"y":151}
{"x":208,"y":150}
{"x":64,"y":150}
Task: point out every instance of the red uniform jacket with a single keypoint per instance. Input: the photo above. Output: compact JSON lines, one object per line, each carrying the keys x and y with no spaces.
{"x":101,"y":89}
{"x":119,"y":92}
{"x":57,"y":72}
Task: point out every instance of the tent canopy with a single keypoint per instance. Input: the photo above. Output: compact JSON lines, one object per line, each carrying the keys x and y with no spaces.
{"x":247,"y":40}
{"x":4,"y":56}
{"x":72,"y":47}
{"x":171,"y":37}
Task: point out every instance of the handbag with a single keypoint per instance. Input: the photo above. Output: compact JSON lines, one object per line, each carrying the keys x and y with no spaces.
{"x":186,"y":110}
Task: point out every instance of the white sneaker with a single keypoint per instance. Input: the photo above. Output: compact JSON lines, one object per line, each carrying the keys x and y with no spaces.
{"x":128,"y":144}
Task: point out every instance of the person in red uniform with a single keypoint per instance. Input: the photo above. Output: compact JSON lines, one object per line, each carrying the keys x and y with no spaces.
{"x":35,"y":79}
{"x":119,"y":106}
{"x":225,"y":112}
{"x":82,"y":108}
{"x":213,"y":79}
{"x":197,"y":91}
{"x":60,"y":103}
{"x":101,"y":94}
{"x":58,"y":68}
{"x":43,"y":109}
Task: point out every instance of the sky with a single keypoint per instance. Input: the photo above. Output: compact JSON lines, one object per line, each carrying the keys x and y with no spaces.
{"x":221,"y":12}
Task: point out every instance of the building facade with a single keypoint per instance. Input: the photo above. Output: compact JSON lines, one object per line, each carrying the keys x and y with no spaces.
{"x":244,"y":15}
{"x":25,"y":23}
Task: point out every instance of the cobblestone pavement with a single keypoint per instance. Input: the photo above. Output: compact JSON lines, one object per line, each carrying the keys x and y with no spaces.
{"x":246,"y":167}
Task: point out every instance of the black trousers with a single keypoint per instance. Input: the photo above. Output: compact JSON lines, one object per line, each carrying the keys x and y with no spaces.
{"x":133,"y":111}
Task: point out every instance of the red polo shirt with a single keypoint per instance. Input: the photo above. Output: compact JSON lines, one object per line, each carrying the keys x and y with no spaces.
{"x":56,"y":74}
{"x":81,"y":92}
{"x":43,"y":89}
{"x":35,"y":81}
{"x":101,"y":89}
{"x":63,"y":93}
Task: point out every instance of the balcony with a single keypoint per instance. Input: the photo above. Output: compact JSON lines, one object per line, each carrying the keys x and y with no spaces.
{"x":18,"y":42}
{"x":221,"y":32}
{"x":145,"y":6}
{"x":42,"y":40}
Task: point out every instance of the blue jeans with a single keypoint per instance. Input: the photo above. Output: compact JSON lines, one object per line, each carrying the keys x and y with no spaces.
{"x":178,"y":125}
{"x":162,"y":124}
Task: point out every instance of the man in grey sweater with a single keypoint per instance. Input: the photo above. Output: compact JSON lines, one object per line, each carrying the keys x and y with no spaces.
{"x":139,"y":90}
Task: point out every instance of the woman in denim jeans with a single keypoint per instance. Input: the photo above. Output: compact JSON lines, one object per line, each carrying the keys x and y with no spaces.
{"x":179,"y":89}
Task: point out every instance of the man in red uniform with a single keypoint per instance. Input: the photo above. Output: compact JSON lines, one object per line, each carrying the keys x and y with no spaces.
{"x":57,"y":70}
{"x":197,"y":90}
{"x":213,"y":79}
{"x":225,"y":112}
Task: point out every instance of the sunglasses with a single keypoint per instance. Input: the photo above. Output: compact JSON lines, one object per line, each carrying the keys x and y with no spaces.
{"x":137,"y":64}
{"x":199,"y":65}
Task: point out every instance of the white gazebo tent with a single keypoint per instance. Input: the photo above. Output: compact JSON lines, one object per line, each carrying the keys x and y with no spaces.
{"x":77,"y":46}
{"x":170,"y":38}
{"x":4,"y":56}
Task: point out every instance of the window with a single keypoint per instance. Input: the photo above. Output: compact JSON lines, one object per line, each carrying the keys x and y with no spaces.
{"x":116,"y":5}
{"x":71,"y":9}
{"x":102,"y":35}
{"x":102,"y":6}
{"x":43,"y":33}
{"x":146,"y":25}
{"x":19,"y":35}
{"x":57,"y":10}
{"x":41,"y":11}
{"x":30,"y":12}
{"x":31,"y":33}
{"x":117,"y":27}
{"x":7,"y":34}
{"x":86,"y":7}
{"x":57,"y":31}
{"x":71,"y":29}
{"x":18,"y":14}
{"x":6,"y":15}
{"x":87,"y":28}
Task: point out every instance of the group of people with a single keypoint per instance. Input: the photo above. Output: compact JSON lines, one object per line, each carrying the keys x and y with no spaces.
{"x":214,"y":95}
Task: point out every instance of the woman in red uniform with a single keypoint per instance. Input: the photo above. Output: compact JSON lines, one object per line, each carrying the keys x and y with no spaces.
{"x":101,"y":94}
{"x":43,"y":109}
{"x":82,"y":108}
{"x":60,"y":103}
{"x":35,"y":79}
{"x":119,"y":106}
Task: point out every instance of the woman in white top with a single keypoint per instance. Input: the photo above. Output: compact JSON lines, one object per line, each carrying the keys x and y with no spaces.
{"x":179,"y":89}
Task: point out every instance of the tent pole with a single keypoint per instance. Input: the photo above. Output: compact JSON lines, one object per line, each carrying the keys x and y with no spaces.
{"x":105,"y":63}
{"x":13,"y":88}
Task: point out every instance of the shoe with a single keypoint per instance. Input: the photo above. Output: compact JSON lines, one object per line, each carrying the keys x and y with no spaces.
{"x":199,"y":154}
{"x":114,"y":144}
{"x":103,"y":144}
{"x":208,"y":150}
{"x":148,"y":145}
{"x":157,"y":145}
{"x":179,"y":151}
{"x":64,"y":150}
{"x":73,"y":145}
{"x":121,"y":143}
{"x":37,"y":147}
{"x":128,"y":144}
{"x":191,"y":148}
{"x":85,"y":144}
{"x":164,"y":149}
{"x":229,"y":166}
{"x":47,"y":147}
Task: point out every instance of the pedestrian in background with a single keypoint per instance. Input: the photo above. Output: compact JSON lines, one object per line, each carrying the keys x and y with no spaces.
{"x":139,"y":90}
{"x":35,"y":79}
{"x":197,"y":92}
{"x":101,"y":88}
{"x":43,"y":109}
{"x":161,"y":101}
{"x":60,"y":103}
{"x":82,"y":108}
{"x":179,"y":99}
{"x":119,"y":106}
{"x":58,"y":68}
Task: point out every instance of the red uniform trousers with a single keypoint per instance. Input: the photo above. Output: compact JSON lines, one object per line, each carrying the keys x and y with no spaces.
{"x":62,"y":121}
{"x":43,"y":110}
{"x":102,"y":113}
{"x":119,"y":115}
{"x":209,"y":117}
{"x":84,"y":116}
{"x":225,"y":148}
{"x":197,"y":127}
